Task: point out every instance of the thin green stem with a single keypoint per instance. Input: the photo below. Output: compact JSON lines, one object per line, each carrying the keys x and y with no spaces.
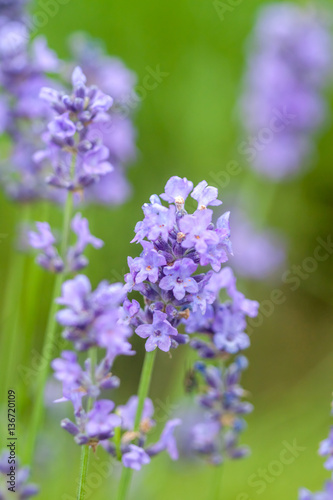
{"x":85,"y":453}
{"x":49,"y":341}
{"x":217,"y":483}
{"x":145,"y":379}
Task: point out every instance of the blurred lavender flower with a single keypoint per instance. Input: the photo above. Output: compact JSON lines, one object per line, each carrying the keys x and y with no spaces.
{"x":327,"y":494}
{"x":134,"y":456}
{"x":325,"y":450}
{"x":23,"y":71}
{"x":49,"y":257}
{"x":23,"y":490}
{"x":223,"y":324}
{"x":257,"y":254}
{"x":289,"y":65}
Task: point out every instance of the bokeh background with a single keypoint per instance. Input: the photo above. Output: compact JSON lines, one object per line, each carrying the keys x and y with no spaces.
{"x":187,"y":126}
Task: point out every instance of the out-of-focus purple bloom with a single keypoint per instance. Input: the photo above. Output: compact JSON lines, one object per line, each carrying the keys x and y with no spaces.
{"x":326,"y":450}
{"x":23,"y":489}
{"x":127,"y":412}
{"x":147,"y":266}
{"x":158,"y":334}
{"x":44,"y":241}
{"x":257,"y":254}
{"x":289,"y":65}
{"x":135,"y":458}
{"x":327,"y":494}
{"x":74,"y":259}
{"x":100,"y":421}
{"x":94,"y":318}
{"x":167,"y":441}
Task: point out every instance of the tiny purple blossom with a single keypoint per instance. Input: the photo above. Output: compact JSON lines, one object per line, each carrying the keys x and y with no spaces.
{"x":159,"y":333}
{"x":178,"y":278}
{"x":326,"y":449}
{"x":176,"y":191}
{"x":205,"y":195}
{"x":128,"y":412}
{"x":195,"y":228}
{"x":101,"y":422}
{"x":80,"y":226}
{"x":135,"y":458}
{"x":44,"y":238}
{"x":147,"y":266}
{"x":167,"y":440}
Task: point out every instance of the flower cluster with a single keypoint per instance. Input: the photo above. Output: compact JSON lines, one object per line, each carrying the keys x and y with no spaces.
{"x":175,"y":245}
{"x":325,"y":450}
{"x":77,"y":156}
{"x":49,"y":257}
{"x":100,"y":319}
{"x":19,"y":484}
{"x":180,"y":291}
{"x":215,"y":435}
{"x":115,"y":79}
{"x":23,"y":71}
{"x":289,"y":64}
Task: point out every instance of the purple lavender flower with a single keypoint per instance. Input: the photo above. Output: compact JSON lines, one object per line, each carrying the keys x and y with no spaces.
{"x":100,"y":421}
{"x":257,"y":254}
{"x":289,"y":65}
{"x":224,"y":323}
{"x":205,"y":195}
{"x":76,"y":113}
{"x":167,"y":441}
{"x":118,"y":133}
{"x":49,"y":257}
{"x":176,"y":191}
{"x":305,"y":494}
{"x":78,"y":381}
{"x":23,"y":489}
{"x":44,"y":240}
{"x":127,"y":412}
{"x":135,"y":458}
{"x":147,"y":266}
{"x":159,"y":333}
{"x":178,"y":278}
{"x":326,"y":450}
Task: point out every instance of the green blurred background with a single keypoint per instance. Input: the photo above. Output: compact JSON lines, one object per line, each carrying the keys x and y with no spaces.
{"x":187,"y":127}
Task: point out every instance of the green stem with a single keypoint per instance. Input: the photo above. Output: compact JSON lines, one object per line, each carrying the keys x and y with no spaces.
{"x":217,"y":483}
{"x":145,"y":380}
{"x":49,"y":341}
{"x":85,"y":453}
